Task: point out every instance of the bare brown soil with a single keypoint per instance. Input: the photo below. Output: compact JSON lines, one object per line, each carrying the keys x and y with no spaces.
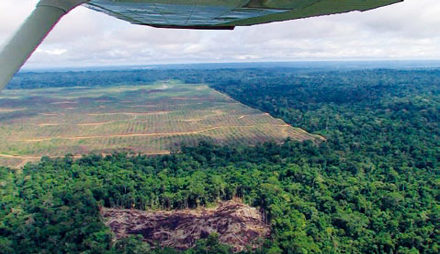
{"x":64,"y":102}
{"x":7,"y":110}
{"x":236,"y":224}
{"x":50,"y":114}
{"x":17,"y":161}
{"x":48,"y":124}
{"x":19,"y":157}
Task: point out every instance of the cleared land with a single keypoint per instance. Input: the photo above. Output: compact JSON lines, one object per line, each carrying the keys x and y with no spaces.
{"x":151,"y":119}
{"x":235,"y":223}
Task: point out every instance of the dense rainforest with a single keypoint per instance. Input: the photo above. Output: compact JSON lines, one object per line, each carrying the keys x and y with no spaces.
{"x":372,"y":187}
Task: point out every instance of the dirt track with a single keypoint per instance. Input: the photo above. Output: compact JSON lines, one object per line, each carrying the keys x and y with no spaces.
{"x":148,"y":134}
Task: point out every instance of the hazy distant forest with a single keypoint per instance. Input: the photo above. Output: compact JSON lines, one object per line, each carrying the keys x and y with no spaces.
{"x":372,"y":187}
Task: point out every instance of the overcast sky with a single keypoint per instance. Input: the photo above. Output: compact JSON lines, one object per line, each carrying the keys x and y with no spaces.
{"x":408,"y":30}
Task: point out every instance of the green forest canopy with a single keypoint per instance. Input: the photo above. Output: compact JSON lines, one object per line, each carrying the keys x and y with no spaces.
{"x":373,"y":187}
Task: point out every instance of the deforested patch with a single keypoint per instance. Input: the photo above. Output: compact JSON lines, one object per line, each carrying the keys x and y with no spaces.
{"x":78,"y":121}
{"x":236,"y":224}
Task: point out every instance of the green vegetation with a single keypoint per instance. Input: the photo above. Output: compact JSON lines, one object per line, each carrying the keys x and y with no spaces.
{"x":372,"y":187}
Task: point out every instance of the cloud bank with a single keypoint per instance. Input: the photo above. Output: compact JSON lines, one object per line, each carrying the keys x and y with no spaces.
{"x":409,"y":30}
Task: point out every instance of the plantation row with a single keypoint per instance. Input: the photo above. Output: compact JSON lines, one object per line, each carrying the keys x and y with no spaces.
{"x":148,"y":120}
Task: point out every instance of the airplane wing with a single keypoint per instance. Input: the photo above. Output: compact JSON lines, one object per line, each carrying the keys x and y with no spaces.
{"x":194,"y":14}
{"x":225,"y":14}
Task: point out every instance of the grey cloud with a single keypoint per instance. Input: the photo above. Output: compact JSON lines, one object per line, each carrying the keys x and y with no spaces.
{"x":412,"y":18}
{"x":404,"y":31}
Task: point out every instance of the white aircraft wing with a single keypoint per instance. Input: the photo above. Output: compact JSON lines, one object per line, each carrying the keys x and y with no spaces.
{"x":225,"y":14}
{"x":188,"y":14}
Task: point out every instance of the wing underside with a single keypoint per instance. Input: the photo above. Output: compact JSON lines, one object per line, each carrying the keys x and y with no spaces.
{"x":194,"y":14}
{"x":225,"y":14}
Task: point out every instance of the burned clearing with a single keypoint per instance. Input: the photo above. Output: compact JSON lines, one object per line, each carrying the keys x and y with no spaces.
{"x":148,"y":119}
{"x":235,"y":223}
